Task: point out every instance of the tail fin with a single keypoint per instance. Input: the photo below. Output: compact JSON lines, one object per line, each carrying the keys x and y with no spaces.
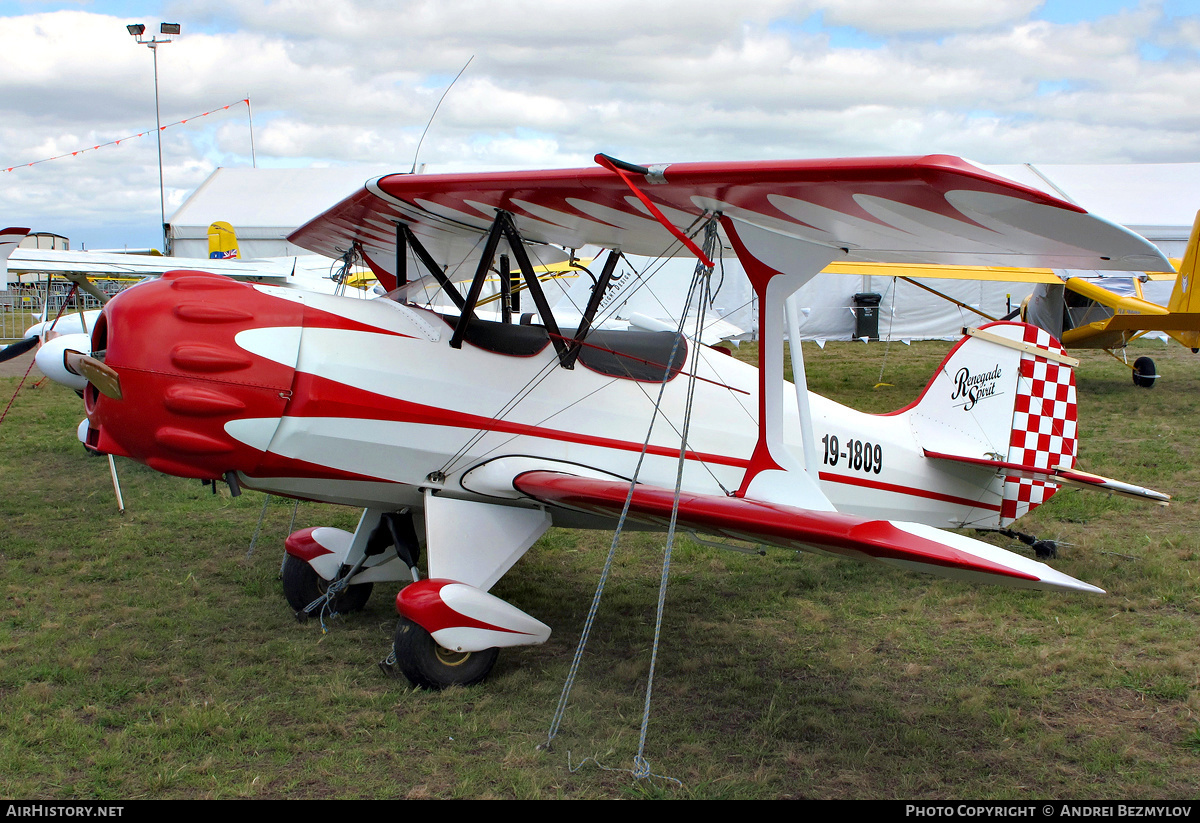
{"x":9,"y":240}
{"x":1185,"y":297}
{"x":1005,"y":394}
{"x":222,"y":241}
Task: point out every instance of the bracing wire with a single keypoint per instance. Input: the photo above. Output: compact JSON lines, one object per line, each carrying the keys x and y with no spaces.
{"x":534,"y":381}
{"x":699,"y":286}
{"x":700,"y":283}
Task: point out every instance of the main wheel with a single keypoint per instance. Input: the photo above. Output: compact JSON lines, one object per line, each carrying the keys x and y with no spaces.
{"x":429,"y":666}
{"x":302,"y":585}
{"x":1144,"y":373}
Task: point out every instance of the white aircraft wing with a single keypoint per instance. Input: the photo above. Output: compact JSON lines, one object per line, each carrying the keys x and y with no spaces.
{"x":309,"y":271}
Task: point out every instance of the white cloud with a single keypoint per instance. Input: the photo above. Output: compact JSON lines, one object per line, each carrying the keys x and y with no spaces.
{"x":888,"y":17}
{"x":554,"y":81}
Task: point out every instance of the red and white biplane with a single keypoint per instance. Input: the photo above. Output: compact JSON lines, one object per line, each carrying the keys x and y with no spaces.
{"x":467,"y":438}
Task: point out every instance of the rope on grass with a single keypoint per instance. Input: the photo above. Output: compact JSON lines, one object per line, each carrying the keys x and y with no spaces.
{"x":576,"y":767}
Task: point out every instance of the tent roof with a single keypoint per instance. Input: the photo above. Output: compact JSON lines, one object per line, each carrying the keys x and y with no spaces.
{"x":267,"y":202}
{"x":1152,"y":199}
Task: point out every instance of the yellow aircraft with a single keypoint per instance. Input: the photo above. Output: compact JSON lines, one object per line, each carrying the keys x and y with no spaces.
{"x":1080,"y":311}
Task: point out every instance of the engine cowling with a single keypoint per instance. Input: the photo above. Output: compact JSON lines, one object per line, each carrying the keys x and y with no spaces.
{"x":173,"y":343}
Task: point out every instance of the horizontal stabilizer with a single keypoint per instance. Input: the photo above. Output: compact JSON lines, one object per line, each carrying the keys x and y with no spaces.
{"x":906,"y":545}
{"x":1059,"y":474}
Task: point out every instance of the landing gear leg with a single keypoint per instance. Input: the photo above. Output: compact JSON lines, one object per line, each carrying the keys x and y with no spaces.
{"x":320,"y":563}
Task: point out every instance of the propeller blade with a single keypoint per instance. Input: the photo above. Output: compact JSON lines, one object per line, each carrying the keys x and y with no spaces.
{"x":104,"y":378}
{"x":14,"y":350}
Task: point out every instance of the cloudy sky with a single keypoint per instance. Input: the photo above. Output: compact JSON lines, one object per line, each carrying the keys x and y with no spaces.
{"x":552,"y":82}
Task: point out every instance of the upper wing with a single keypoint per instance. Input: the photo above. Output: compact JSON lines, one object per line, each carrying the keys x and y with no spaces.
{"x":995,"y":274}
{"x":934,"y":209}
{"x":905,"y":545}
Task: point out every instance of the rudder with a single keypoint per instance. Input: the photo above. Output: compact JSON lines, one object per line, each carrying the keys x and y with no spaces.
{"x":1005,"y":393}
{"x":222,"y":242}
{"x":1045,"y":424}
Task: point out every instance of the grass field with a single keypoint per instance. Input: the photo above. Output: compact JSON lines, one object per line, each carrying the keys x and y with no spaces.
{"x":151,"y":654}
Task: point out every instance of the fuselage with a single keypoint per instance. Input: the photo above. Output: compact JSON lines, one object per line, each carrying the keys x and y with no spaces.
{"x":366,"y":403}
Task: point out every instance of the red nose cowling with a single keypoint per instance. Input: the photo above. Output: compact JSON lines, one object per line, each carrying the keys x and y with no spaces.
{"x":183,"y":375}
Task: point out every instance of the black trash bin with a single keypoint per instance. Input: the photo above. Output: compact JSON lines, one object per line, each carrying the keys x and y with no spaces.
{"x":866,"y":315}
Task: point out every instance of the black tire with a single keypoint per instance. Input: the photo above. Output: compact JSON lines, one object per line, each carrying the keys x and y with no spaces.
{"x":1144,"y":373}
{"x":302,"y":585}
{"x":429,"y":666}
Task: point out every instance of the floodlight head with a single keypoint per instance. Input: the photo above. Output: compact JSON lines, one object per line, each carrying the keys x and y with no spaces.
{"x":135,"y":29}
{"x":169,"y":28}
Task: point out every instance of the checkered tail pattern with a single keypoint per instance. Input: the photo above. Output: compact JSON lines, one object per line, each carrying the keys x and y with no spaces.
{"x":1044,"y":426}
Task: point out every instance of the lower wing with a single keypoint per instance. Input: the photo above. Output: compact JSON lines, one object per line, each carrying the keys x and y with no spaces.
{"x":909,"y":546}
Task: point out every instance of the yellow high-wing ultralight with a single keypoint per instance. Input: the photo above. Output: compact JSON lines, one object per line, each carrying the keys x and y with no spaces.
{"x":1080,"y":311}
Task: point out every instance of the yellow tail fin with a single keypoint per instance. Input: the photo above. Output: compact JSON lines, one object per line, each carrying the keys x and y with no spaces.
{"x":1185,"y":297}
{"x":1186,"y":294}
{"x":222,"y":241}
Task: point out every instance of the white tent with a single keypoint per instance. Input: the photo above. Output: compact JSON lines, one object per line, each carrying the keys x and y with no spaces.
{"x":264,"y":206}
{"x":1152,"y":199}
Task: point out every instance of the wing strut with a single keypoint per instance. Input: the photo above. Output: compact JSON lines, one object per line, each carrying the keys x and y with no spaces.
{"x":958,"y":303}
{"x":509,"y":296}
{"x":401,"y":255}
{"x":481,"y":272}
{"x":593,"y":306}
{"x":504,"y":226}
{"x":532,"y":283}
{"x":404,"y":235}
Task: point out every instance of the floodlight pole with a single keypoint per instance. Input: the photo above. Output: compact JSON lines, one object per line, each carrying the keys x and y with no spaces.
{"x":153,"y":43}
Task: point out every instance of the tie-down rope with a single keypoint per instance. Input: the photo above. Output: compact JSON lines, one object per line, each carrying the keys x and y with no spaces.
{"x":699,"y":288}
